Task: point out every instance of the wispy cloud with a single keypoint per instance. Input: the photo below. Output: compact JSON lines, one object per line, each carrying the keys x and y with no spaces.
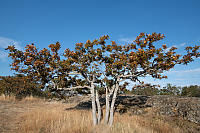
{"x":3,"y":56}
{"x":180,"y":79}
{"x":126,"y":39}
{"x":146,"y":80}
{"x":177,"y":46}
{"x":4,"y":43}
{"x":182,"y":44}
{"x":182,"y":72}
{"x":175,"y":77}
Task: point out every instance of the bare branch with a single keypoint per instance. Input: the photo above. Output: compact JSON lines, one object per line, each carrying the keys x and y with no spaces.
{"x":127,"y":76}
{"x":122,"y":80}
{"x":138,"y":80}
{"x":74,"y":73}
{"x":73,"y":88}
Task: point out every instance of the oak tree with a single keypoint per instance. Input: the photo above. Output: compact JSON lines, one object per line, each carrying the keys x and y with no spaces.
{"x":98,"y":64}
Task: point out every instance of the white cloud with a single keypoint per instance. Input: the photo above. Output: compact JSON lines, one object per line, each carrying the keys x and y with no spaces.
{"x":3,"y":56}
{"x":152,"y":81}
{"x":127,"y":40}
{"x":5,"y":42}
{"x":146,"y":80}
{"x":175,"y":77}
{"x":180,"y":79}
{"x":182,"y":72}
{"x":182,"y":44}
{"x":177,"y":46}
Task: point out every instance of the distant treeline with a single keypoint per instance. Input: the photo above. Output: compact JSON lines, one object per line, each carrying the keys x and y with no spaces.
{"x":189,"y":91}
{"x":21,"y":86}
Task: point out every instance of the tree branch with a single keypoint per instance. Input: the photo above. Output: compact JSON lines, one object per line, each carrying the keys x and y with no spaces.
{"x":127,"y":76}
{"x":73,"y":88}
{"x":74,"y":73}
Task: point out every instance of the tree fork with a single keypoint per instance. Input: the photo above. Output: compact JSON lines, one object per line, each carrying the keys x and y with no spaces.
{"x":111,"y":118}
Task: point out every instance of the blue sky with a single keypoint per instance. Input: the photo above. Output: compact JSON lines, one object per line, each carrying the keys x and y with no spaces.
{"x":46,"y":21}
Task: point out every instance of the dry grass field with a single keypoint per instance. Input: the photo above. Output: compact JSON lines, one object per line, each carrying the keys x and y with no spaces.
{"x":34,"y":115}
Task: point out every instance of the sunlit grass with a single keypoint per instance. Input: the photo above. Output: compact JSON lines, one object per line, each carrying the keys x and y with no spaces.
{"x":52,"y":117}
{"x":58,"y":120}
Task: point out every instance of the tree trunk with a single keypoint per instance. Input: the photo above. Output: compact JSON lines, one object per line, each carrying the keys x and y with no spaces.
{"x":93,"y":104}
{"x":107,"y":106}
{"x":98,"y":108}
{"x":112,"y":105}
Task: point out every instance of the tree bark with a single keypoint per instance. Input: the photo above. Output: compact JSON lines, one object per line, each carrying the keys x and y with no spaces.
{"x":93,"y":105}
{"x":111,"y":118}
{"x":107,"y":106}
{"x":54,"y":85}
{"x":98,"y":108}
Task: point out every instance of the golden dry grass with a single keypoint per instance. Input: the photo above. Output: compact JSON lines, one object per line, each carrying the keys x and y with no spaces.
{"x":75,"y":121}
{"x":52,"y":117}
{"x":12,"y":98}
{"x":7,"y":98}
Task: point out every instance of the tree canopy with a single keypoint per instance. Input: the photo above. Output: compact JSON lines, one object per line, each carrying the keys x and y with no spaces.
{"x":100,"y":64}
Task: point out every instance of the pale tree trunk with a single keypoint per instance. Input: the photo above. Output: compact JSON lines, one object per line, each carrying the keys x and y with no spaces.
{"x":111,"y":118}
{"x":107,"y":106}
{"x":55,"y":85}
{"x":93,"y":104}
{"x":98,"y":108}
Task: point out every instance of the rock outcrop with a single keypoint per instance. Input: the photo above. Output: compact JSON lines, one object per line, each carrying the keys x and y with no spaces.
{"x":186,"y":107}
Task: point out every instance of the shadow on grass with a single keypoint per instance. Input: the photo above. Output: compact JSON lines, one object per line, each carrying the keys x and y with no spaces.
{"x":125,"y":101}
